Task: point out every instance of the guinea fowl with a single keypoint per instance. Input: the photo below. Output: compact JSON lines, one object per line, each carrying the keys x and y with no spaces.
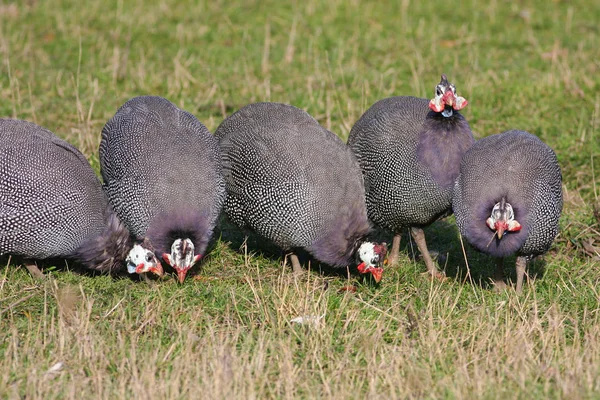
{"x":296,"y":184}
{"x":52,"y":205}
{"x":162,"y":172}
{"x":409,"y":150}
{"x":508,"y":198}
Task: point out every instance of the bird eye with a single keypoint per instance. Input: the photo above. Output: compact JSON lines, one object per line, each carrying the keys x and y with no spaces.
{"x":148,"y":257}
{"x":438,"y":91}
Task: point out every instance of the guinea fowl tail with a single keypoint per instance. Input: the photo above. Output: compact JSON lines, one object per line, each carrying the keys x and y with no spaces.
{"x":106,"y":252}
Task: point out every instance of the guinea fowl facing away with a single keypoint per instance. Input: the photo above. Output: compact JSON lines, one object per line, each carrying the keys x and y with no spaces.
{"x":297,"y":184}
{"x":508,"y":198}
{"x":409,"y":150}
{"x":52,"y":205}
{"x":162,"y":172}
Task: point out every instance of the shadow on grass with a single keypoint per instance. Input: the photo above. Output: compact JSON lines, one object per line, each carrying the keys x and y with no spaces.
{"x":444,"y":244}
{"x":61,"y":265}
{"x":237,"y":238}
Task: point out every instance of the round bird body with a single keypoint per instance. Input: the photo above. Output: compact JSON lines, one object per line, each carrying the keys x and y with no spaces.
{"x":162,"y":172}
{"x":508,"y":198}
{"x":297,"y":184}
{"x":52,"y":204}
{"x":409,"y":150}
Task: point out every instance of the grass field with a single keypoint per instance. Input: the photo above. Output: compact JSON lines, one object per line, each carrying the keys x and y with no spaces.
{"x":226,"y":333}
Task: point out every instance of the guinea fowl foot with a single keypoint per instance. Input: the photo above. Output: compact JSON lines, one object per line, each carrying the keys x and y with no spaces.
{"x":34,"y":270}
{"x":392,"y":259}
{"x":296,"y":267}
{"x":419,"y":237}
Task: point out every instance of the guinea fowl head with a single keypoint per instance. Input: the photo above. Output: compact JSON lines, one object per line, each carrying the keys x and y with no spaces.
{"x":141,"y":260}
{"x":503,"y":219}
{"x":182,"y":257}
{"x":446,"y":100}
{"x":372,"y":257}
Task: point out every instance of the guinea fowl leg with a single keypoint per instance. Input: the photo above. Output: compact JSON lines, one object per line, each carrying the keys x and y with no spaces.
{"x":296,"y":267}
{"x":521,"y":264}
{"x":34,"y":270}
{"x":419,"y":237}
{"x":498,"y":278}
{"x":393,"y":257}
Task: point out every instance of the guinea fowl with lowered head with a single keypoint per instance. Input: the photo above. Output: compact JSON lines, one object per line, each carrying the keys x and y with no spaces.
{"x":508,"y":198}
{"x":52,"y":206}
{"x":297,"y":184}
{"x":409,"y":150}
{"x":162,"y":172}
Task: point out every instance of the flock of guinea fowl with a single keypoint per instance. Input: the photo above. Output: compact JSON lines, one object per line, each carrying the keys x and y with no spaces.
{"x":274,"y":170}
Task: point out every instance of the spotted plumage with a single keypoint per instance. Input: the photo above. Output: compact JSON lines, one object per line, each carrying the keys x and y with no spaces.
{"x":52,"y":203}
{"x":162,"y":172}
{"x":409,"y":150}
{"x":515,"y":178}
{"x":293,"y":182}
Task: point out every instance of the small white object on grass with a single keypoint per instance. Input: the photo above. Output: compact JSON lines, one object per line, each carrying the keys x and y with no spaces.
{"x":309,"y":320}
{"x":55,"y":369}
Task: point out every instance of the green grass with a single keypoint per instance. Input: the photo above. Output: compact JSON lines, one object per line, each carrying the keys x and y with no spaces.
{"x":529,"y":65}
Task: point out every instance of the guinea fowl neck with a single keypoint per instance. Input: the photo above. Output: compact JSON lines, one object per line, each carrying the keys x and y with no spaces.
{"x":106,"y":252}
{"x":442,"y":143}
{"x":339,"y":246}
{"x":484,"y":239}
{"x":181,"y":223}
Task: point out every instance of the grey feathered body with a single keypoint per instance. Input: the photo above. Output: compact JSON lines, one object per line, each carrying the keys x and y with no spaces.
{"x":162,"y":172}
{"x":410,"y":157}
{"x":52,"y":203}
{"x":293,"y":182}
{"x":521,"y":168}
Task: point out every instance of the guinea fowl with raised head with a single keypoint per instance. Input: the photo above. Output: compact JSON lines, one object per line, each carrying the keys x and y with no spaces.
{"x":297,"y":184}
{"x":162,"y":172}
{"x":52,"y":206}
{"x":409,"y":150}
{"x":508,"y":198}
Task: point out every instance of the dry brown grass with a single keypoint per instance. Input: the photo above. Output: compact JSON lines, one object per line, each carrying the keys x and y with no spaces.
{"x":495,"y":347}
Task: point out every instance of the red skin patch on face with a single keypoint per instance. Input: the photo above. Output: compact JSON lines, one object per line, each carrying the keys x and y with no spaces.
{"x":362,"y":268}
{"x":434,"y":107}
{"x":157,"y":270}
{"x":139,"y":268}
{"x":460,"y":105}
{"x":502,"y":226}
{"x":448,"y":98}
{"x":375,"y":271}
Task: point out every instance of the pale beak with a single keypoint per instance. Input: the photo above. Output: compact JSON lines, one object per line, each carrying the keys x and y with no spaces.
{"x":448,"y":98}
{"x":157,"y":269}
{"x":181,"y":273}
{"x":500,"y":231}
